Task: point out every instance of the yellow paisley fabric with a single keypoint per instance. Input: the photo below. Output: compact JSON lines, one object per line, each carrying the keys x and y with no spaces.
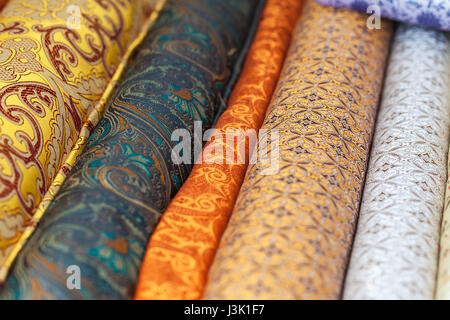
{"x":291,"y":231}
{"x":59,"y":62}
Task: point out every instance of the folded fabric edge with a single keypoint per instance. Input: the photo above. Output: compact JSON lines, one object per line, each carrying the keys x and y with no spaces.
{"x":92,"y":120}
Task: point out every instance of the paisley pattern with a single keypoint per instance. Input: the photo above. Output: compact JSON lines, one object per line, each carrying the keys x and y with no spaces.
{"x":182,"y":247}
{"x":290,"y":233}
{"x":395,"y":252}
{"x":54,"y":72}
{"x":113,"y":197}
{"x":426,"y":13}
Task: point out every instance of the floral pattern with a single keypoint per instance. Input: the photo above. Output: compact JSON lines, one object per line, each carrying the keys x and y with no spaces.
{"x":426,"y":13}
{"x":395,"y":252}
{"x":112,"y":199}
{"x":182,"y":247}
{"x":291,"y":230}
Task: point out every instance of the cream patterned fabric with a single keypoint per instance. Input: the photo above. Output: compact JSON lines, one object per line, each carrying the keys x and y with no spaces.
{"x":395,"y":251}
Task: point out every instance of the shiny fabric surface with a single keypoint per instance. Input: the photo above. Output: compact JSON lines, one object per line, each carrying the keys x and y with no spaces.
{"x":291,"y":231}
{"x":443,"y":279}
{"x":426,"y":13}
{"x":56,"y":62}
{"x":395,"y":252}
{"x":183,"y":245}
{"x":110,"y":202}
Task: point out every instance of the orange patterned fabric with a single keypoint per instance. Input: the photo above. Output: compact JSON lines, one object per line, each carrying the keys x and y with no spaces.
{"x":183,"y":245}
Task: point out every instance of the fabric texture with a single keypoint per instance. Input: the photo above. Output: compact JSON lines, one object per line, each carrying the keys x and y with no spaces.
{"x":110,"y":202}
{"x":291,"y":231}
{"x":426,"y":13}
{"x":395,"y":251}
{"x":182,"y":247}
{"x":443,"y":278}
{"x":58,"y":62}
{"x":240,"y":61}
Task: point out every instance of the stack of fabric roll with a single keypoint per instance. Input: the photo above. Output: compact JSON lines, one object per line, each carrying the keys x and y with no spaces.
{"x":222,"y":149}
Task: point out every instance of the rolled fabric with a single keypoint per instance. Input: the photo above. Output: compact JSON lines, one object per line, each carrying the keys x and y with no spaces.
{"x":58,"y":63}
{"x":426,"y":13}
{"x":100,"y":220}
{"x":443,"y":278}
{"x":182,"y":247}
{"x":395,"y":251}
{"x":291,"y":231}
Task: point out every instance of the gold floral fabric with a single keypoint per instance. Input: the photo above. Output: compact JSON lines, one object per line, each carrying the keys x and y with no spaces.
{"x":290,"y":234}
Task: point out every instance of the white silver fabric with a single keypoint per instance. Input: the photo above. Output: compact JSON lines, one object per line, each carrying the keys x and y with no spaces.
{"x":395,"y":253}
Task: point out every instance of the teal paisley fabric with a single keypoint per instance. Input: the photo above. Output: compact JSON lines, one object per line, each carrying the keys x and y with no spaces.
{"x":100,"y":221}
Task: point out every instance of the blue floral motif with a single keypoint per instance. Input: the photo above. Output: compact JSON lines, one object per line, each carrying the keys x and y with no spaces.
{"x":119,"y":254}
{"x":427,"y":13}
{"x":190,"y":102}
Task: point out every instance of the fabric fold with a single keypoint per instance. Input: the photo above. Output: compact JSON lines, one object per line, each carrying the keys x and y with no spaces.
{"x":395,"y":253}
{"x":426,"y":13}
{"x":58,"y":64}
{"x":290,"y":233}
{"x":99,"y":222}
{"x":182,"y":247}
